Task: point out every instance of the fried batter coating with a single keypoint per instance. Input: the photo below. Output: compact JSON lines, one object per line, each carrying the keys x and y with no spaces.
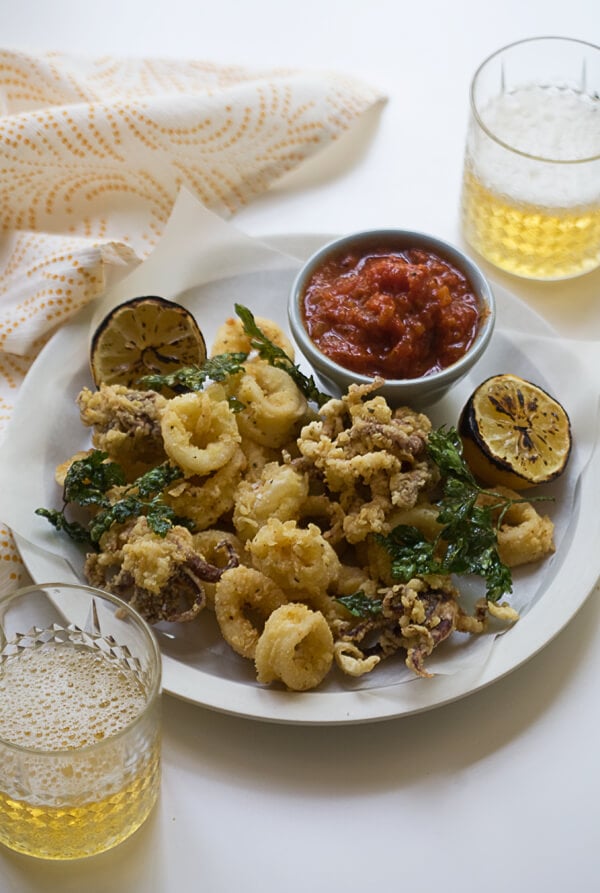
{"x":244,"y":599}
{"x":199,"y":431}
{"x":503,"y":612}
{"x":327,"y":514}
{"x":162,"y":577}
{"x":284,"y":501}
{"x":217,"y":548}
{"x":415,"y":617}
{"x":299,"y":560}
{"x":423,"y":516}
{"x":126,"y":424}
{"x":351,"y":660}
{"x":372,"y":458}
{"x":279,"y":493}
{"x":524,"y":535}
{"x":205,"y":500}
{"x":296,"y":648}
{"x":257,"y":456}
{"x":231,"y":338}
{"x":427,"y":617}
{"x":274,"y":407}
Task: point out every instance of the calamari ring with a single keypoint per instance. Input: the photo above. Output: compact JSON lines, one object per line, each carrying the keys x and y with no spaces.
{"x":231,"y":338}
{"x":215,"y":546}
{"x":326,"y":514}
{"x":278,"y":493}
{"x":200,"y":432}
{"x":423,"y":516}
{"x":299,"y":560}
{"x":244,"y":599}
{"x":273,"y":405}
{"x":296,"y":648}
{"x":257,"y":456}
{"x":353,"y":578}
{"x":524,"y":535}
{"x":205,"y":501}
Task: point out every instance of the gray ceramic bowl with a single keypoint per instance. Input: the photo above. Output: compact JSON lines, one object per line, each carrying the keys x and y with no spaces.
{"x":417,"y":392}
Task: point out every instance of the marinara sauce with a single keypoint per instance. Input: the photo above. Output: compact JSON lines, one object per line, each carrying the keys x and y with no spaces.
{"x":397,"y":314}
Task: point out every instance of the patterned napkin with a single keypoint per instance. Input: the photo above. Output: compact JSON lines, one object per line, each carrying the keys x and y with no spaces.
{"x":94,"y":153}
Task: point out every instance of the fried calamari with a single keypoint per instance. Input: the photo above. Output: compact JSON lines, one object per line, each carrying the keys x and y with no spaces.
{"x":277,"y":515}
{"x":161,"y":576}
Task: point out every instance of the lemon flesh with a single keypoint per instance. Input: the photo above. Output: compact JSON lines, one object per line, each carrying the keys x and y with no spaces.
{"x":144,"y":336}
{"x":514,"y":433}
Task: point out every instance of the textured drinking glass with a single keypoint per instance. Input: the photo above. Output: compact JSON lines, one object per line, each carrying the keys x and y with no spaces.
{"x":80,"y":677}
{"x":531,"y":181}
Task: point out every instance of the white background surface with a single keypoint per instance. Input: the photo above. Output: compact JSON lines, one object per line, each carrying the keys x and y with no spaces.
{"x":500,"y":791}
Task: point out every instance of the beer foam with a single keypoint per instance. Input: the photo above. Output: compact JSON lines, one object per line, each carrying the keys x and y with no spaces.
{"x":61,"y":696}
{"x":549,"y":122}
{"x":543,"y":123}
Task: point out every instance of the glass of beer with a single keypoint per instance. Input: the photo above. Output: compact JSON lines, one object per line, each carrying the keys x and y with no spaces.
{"x":80,"y":676}
{"x":531,"y":181}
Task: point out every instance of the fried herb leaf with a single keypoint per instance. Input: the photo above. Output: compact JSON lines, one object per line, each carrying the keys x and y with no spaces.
{"x":277,"y":357}
{"x":193,"y":378}
{"x":74,"y":529}
{"x":467,"y":542}
{"x":88,"y":479}
{"x":445,"y":448}
{"x":155,"y":480}
{"x":412,"y":555}
{"x":360,"y":605}
{"x":86,"y":483}
{"x":143,"y":497}
{"x":160,"y":517}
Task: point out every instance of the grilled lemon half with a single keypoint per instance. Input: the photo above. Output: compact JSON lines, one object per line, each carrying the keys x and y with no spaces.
{"x":514,"y":433}
{"x":144,"y":336}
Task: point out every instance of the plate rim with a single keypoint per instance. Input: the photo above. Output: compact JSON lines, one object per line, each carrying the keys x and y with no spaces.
{"x":538,"y":627}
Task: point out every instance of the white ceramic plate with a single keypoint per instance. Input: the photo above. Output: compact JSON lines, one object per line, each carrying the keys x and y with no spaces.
{"x":200,"y":668}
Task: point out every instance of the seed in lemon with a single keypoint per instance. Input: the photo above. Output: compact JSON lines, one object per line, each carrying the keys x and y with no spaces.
{"x":144,"y":336}
{"x":514,"y":433}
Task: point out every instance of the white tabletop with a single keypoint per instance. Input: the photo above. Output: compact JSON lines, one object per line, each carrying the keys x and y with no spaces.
{"x":498,"y":791}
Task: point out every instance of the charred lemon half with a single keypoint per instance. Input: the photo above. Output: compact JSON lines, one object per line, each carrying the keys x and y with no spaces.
{"x":514,"y":434}
{"x":144,"y":336}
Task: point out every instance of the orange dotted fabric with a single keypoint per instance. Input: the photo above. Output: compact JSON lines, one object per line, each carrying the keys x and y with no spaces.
{"x":93,"y":155}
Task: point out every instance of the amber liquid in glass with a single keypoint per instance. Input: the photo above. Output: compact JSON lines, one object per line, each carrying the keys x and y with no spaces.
{"x":531,"y":217}
{"x":62,"y":698}
{"x":529,"y":240}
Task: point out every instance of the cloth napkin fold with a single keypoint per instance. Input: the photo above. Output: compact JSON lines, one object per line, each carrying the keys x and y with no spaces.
{"x":94,"y":154}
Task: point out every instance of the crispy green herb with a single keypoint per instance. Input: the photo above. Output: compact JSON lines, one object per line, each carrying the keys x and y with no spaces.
{"x":87,"y":483}
{"x":360,"y":605}
{"x":412,"y":555}
{"x":445,"y":448}
{"x":73,"y":529}
{"x":155,"y":480}
{"x":88,"y":479}
{"x":278,"y":357}
{"x":218,"y":368}
{"x":467,"y":542}
{"x":193,"y":378}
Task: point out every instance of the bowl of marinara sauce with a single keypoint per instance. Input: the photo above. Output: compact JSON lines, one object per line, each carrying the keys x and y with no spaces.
{"x":398,"y":305}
